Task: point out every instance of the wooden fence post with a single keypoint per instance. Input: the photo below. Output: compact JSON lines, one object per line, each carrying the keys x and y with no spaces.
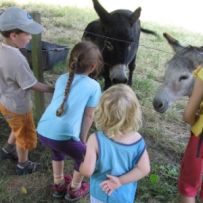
{"x":39,"y":103}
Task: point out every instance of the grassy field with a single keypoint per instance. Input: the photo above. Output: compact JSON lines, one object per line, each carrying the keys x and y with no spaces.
{"x":165,"y":134}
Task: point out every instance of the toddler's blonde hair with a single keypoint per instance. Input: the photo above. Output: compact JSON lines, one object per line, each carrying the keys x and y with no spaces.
{"x":118,"y":112}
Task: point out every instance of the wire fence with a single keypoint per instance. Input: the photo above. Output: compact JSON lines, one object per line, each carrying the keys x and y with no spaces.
{"x":124,"y":41}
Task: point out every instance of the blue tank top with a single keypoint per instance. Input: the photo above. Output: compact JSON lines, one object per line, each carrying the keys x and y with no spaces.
{"x":115,"y":159}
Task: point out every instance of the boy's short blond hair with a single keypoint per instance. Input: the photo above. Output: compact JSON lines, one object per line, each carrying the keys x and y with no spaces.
{"x":119,"y":111}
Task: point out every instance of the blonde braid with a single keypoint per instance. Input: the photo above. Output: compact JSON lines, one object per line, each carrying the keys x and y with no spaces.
{"x":61,"y":109}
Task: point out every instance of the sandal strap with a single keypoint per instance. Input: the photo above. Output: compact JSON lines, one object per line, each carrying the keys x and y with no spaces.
{"x":32,"y":166}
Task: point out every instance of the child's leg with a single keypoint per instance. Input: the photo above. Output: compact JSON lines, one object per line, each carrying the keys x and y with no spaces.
{"x":58,"y":157}
{"x":60,"y":181}
{"x":58,"y":171}
{"x":23,"y":128}
{"x":72,"y":148}
{"x":58,"y":168}
{"x":22,"y":154}
{"x":11,"y":139}
{"x":76,"y":150}
{"x":185,"y":199}
{"x":191,"y":171}
{"x":8,"y":151}
{"x":25,"y":166}
{"x":24,"y":135}
{"x":77,"y":180}
{"x":78,"y":188}
{"x":201,"y":190}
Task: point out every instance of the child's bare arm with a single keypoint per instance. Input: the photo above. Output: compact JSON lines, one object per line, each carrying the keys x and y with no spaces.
{"x":42,"y":87}
{"x":87,"y":167}
{"x":141,"y":170}
{"x":192,"y":108}
{"x":86,"y":123}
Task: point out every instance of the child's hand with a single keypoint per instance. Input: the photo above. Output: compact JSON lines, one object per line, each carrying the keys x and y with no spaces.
{"x":108,"y":186}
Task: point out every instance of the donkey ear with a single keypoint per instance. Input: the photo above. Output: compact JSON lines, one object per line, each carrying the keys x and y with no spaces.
{"x":135,"y":15}
{"x":174,"y":43}
{"x":104,"y":16}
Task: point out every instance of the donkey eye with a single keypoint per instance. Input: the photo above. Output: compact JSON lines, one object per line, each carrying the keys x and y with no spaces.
{"x":183,"y":77}
{"x":108,"y":45}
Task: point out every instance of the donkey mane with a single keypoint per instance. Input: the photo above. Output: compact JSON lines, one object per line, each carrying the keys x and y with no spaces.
{"x":192,"y":48}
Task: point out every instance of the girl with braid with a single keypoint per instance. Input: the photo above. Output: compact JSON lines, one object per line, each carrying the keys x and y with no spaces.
{"x":65,"y":123}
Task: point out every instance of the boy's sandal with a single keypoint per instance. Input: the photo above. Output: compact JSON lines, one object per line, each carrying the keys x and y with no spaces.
{"x":29,"y":168}
{"x":10,"y":155}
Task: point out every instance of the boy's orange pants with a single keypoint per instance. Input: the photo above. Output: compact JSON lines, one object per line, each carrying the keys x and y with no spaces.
{"x":22,"y":126}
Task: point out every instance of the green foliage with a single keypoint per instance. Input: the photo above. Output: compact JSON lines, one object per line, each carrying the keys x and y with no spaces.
{"x":7,"y":3}
{"x":161,"y":184}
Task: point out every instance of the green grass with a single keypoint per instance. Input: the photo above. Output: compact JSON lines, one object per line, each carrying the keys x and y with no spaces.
{"x":161,"y":184}
{"x":165,"y":134}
